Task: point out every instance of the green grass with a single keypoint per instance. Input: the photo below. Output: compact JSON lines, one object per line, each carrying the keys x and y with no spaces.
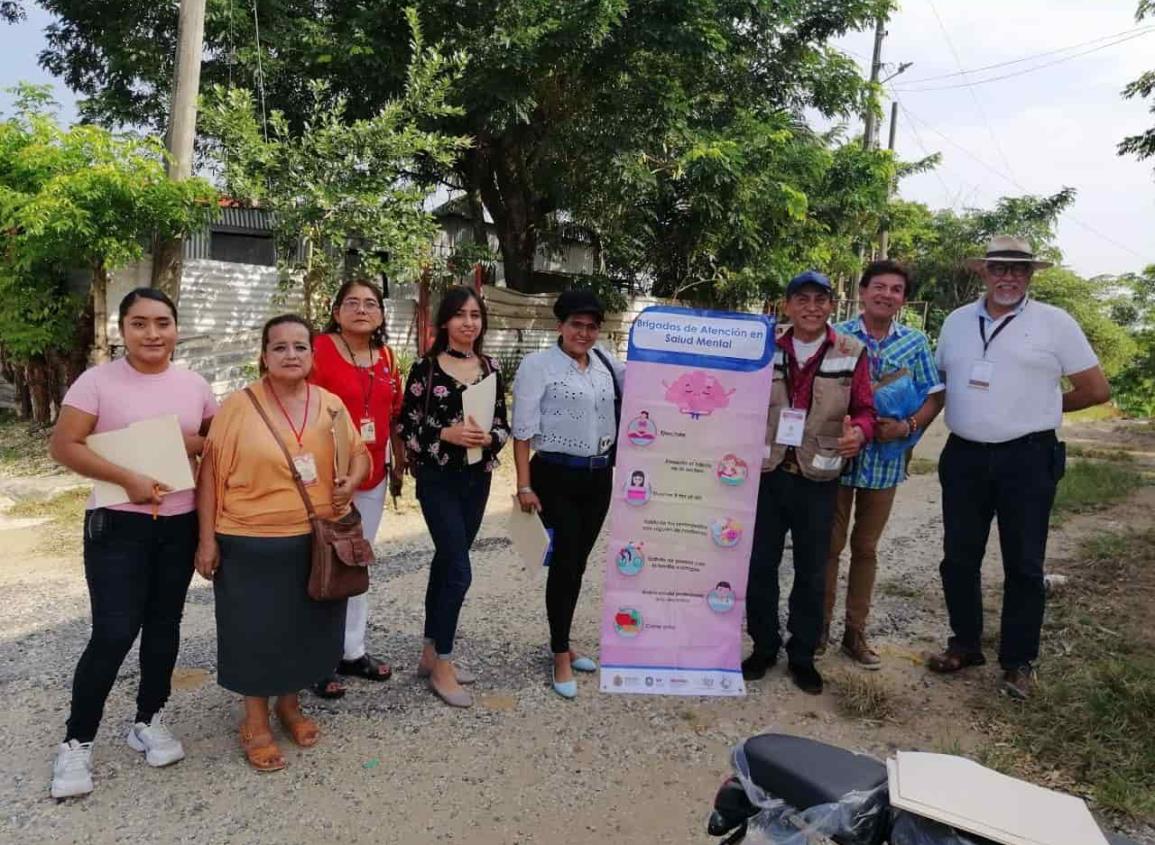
{"x":1090,"y":485}
{"x":24,"y":448}
{"x":62,"y":533}
{"x":1095,"y":413}
{"x":1089,"y":726}
{"x":922,"y":466}
{"x":1079,"y":450}
{"x":862,"y":696}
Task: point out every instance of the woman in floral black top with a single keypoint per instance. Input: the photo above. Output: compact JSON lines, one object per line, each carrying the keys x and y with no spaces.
{"x":452,"y":492}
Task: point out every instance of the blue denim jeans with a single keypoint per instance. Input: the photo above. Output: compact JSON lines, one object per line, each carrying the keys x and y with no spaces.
{"x":453,"y":503}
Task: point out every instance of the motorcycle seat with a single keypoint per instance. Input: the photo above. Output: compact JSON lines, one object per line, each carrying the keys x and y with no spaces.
{"x":805,"y":773}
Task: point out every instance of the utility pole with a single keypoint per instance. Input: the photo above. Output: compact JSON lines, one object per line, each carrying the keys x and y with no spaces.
{"x":884,"y":236}
{"x":869,"y":141}
{"x":166,"y":259}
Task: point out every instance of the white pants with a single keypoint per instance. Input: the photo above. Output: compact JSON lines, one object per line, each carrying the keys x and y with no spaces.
{"x":371,"y":504}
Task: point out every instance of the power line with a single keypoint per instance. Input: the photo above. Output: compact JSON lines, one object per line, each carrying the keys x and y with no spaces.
{"x":1025,"y":71}
{"x":974,"y":96}
{"x":1018,"y":185}
{"x":1128,"y":32}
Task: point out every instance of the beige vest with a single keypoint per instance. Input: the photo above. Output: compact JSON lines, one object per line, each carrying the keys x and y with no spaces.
{"x":817,"y":457}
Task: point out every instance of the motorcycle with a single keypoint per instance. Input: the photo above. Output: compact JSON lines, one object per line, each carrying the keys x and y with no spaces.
{"x":789,"y":790}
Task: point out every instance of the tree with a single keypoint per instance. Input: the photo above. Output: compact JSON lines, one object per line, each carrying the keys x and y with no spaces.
{"x":78,"y":199}
{"x":335,"y":182}
{"x":1084,"y":300}
{"x":1142,"y":145}
{"x":557,"y":94}
{"x":936,"y":245}
{"x":1134,"y":309}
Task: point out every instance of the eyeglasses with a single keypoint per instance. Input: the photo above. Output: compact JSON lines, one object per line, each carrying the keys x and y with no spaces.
{"x":369,"y":305}
{"x":583,"y":327}
{"x":1020,"y":269}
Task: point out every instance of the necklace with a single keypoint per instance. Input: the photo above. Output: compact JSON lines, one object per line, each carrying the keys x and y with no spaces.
{"x":453,"y":353}
{"x":353,"y":355}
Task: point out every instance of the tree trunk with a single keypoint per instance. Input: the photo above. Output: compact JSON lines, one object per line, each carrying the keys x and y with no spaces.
{"x":100,"y":351}
{"x":477,"y":217}
{"x":39,"y":389}
{"x":167,"y":262}
{"x":496,"y":169}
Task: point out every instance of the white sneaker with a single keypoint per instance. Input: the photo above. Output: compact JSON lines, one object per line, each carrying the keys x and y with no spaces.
{"x":160,"y":747}
{"x":72,"y":771}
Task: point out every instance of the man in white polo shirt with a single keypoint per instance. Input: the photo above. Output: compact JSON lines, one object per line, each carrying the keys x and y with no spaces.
{"x":1002,"y":359}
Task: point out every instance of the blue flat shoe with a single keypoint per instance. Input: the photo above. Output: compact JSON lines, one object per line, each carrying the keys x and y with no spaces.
{"x":584,"y":664}
{"x":566,"y":689}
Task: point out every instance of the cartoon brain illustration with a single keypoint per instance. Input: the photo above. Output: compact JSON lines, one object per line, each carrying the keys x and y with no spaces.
{"x":698,"y":394}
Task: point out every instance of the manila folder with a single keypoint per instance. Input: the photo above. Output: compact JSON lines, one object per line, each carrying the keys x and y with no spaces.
{"x":152,"y":447}
{"x":478,"y":401}
{"x":530,"y":538}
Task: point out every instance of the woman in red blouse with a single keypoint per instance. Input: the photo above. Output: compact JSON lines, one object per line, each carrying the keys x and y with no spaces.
{"x":352,"y":360}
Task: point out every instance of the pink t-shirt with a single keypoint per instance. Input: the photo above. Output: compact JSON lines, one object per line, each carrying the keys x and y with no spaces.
{"x":118,"y":395}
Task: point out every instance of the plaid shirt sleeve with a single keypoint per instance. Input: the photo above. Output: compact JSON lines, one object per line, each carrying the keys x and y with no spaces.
{"x":923,"y":369}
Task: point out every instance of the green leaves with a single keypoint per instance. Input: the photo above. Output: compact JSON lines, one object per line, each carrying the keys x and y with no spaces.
{"x":73,"y":199}
{"x":332,"y":181}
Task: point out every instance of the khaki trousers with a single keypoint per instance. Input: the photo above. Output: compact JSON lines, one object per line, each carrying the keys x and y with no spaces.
{"x":871,"y":511}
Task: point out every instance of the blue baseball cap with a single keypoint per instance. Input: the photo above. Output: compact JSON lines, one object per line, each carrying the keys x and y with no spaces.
{"x":810,"y":277}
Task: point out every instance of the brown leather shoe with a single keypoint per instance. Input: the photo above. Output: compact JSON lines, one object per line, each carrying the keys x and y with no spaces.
{"x":855,"y":646}
{"x":1019,"y":683}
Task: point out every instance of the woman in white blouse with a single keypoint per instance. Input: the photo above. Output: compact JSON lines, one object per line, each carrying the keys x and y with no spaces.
{"x":565,"y":410}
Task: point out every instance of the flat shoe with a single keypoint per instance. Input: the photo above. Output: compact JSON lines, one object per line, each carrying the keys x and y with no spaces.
{"x":584,"y":664}
{"x":464,"y":676}
{"x":366,"y":666}
{"x":453,"y":699}
{"x":566,"y":689}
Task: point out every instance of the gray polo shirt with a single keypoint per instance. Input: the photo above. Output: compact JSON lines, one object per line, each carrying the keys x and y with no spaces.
{"x":1023,"y":365}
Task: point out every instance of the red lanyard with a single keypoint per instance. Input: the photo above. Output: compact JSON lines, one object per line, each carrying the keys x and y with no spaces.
{"x":288,"y":419}
{"x":366,"y":394}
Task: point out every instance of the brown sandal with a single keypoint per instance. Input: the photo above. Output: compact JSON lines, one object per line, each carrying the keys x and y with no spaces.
{"x":261,"y":750}
{"x":951,"y":661}
{"x":303,"y":730}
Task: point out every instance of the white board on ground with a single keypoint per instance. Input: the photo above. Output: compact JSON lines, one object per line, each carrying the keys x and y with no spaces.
{"x":975,"y":799}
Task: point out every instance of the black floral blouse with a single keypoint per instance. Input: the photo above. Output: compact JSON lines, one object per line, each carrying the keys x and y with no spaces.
{"x":421,"y":430}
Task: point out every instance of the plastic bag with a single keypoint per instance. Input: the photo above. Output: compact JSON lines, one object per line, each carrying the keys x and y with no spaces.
{"x":898,"y":399}
{"x":911,"y":829}
{"x":856,"y":819}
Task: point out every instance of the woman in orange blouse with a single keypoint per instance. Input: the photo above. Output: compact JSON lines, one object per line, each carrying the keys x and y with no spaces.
{"x":255,"y":545}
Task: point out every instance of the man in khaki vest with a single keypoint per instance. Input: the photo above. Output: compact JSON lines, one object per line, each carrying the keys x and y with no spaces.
{"x":821,"y":413}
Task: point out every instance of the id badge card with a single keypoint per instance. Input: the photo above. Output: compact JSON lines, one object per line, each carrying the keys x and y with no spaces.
{"x":604,"y":445}
{"x":981,"y":374}
{"x":306,"y":466}
{"x":791,"y":422}
{"x":368,"y":430}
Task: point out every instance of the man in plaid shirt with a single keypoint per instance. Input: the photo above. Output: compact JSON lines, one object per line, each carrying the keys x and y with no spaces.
{"x":871,"y":480}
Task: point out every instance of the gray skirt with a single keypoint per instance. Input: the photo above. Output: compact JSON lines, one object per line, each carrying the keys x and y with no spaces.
{"x":272,"y":639}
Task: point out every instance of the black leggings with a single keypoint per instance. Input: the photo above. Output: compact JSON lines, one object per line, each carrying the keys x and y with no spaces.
{"x":574,"y":504}
{"x":138,"y":571}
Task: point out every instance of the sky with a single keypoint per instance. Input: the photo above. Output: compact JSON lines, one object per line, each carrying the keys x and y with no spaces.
{"x":1033,"y":133}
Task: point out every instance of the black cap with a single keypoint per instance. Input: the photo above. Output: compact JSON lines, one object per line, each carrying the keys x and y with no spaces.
{"x":578,"y":302}
{"x":810,"y":277}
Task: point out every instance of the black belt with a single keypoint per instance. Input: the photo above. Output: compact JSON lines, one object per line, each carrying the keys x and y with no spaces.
{"x":1033,"y":437}
{"x":575,"y":462}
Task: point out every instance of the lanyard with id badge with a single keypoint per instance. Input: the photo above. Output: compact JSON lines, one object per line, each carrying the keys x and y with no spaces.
{"x":982,"y":370}
{"x":368,"y":426}
{"x":792,"y":421}
{"x":305,"y":462}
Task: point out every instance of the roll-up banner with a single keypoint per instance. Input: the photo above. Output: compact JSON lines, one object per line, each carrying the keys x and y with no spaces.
{"x":689,"y":455}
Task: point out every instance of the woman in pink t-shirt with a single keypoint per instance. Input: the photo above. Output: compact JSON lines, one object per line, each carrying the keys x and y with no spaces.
{"x":138,"y":557}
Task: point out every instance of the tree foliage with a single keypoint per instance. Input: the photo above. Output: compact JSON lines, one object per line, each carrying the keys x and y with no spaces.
{"x":937,"y":244}
{"x":1143,"y":144}
{"x":1133,"y":308}
{"x":335,"y":183}
{"x":559,"y":97}
{"x":76,"y":199}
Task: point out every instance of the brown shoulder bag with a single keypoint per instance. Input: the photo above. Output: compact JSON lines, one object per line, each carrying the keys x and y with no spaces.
{"x":340,"y":555}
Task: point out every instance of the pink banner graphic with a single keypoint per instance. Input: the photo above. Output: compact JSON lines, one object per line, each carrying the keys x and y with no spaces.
{"x":689,"y":456}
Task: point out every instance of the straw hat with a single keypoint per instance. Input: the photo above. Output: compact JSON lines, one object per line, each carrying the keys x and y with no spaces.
{"x":1010,"y":250}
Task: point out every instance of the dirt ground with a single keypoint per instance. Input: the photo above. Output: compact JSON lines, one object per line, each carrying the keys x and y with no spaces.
{"x":524,"y":766}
